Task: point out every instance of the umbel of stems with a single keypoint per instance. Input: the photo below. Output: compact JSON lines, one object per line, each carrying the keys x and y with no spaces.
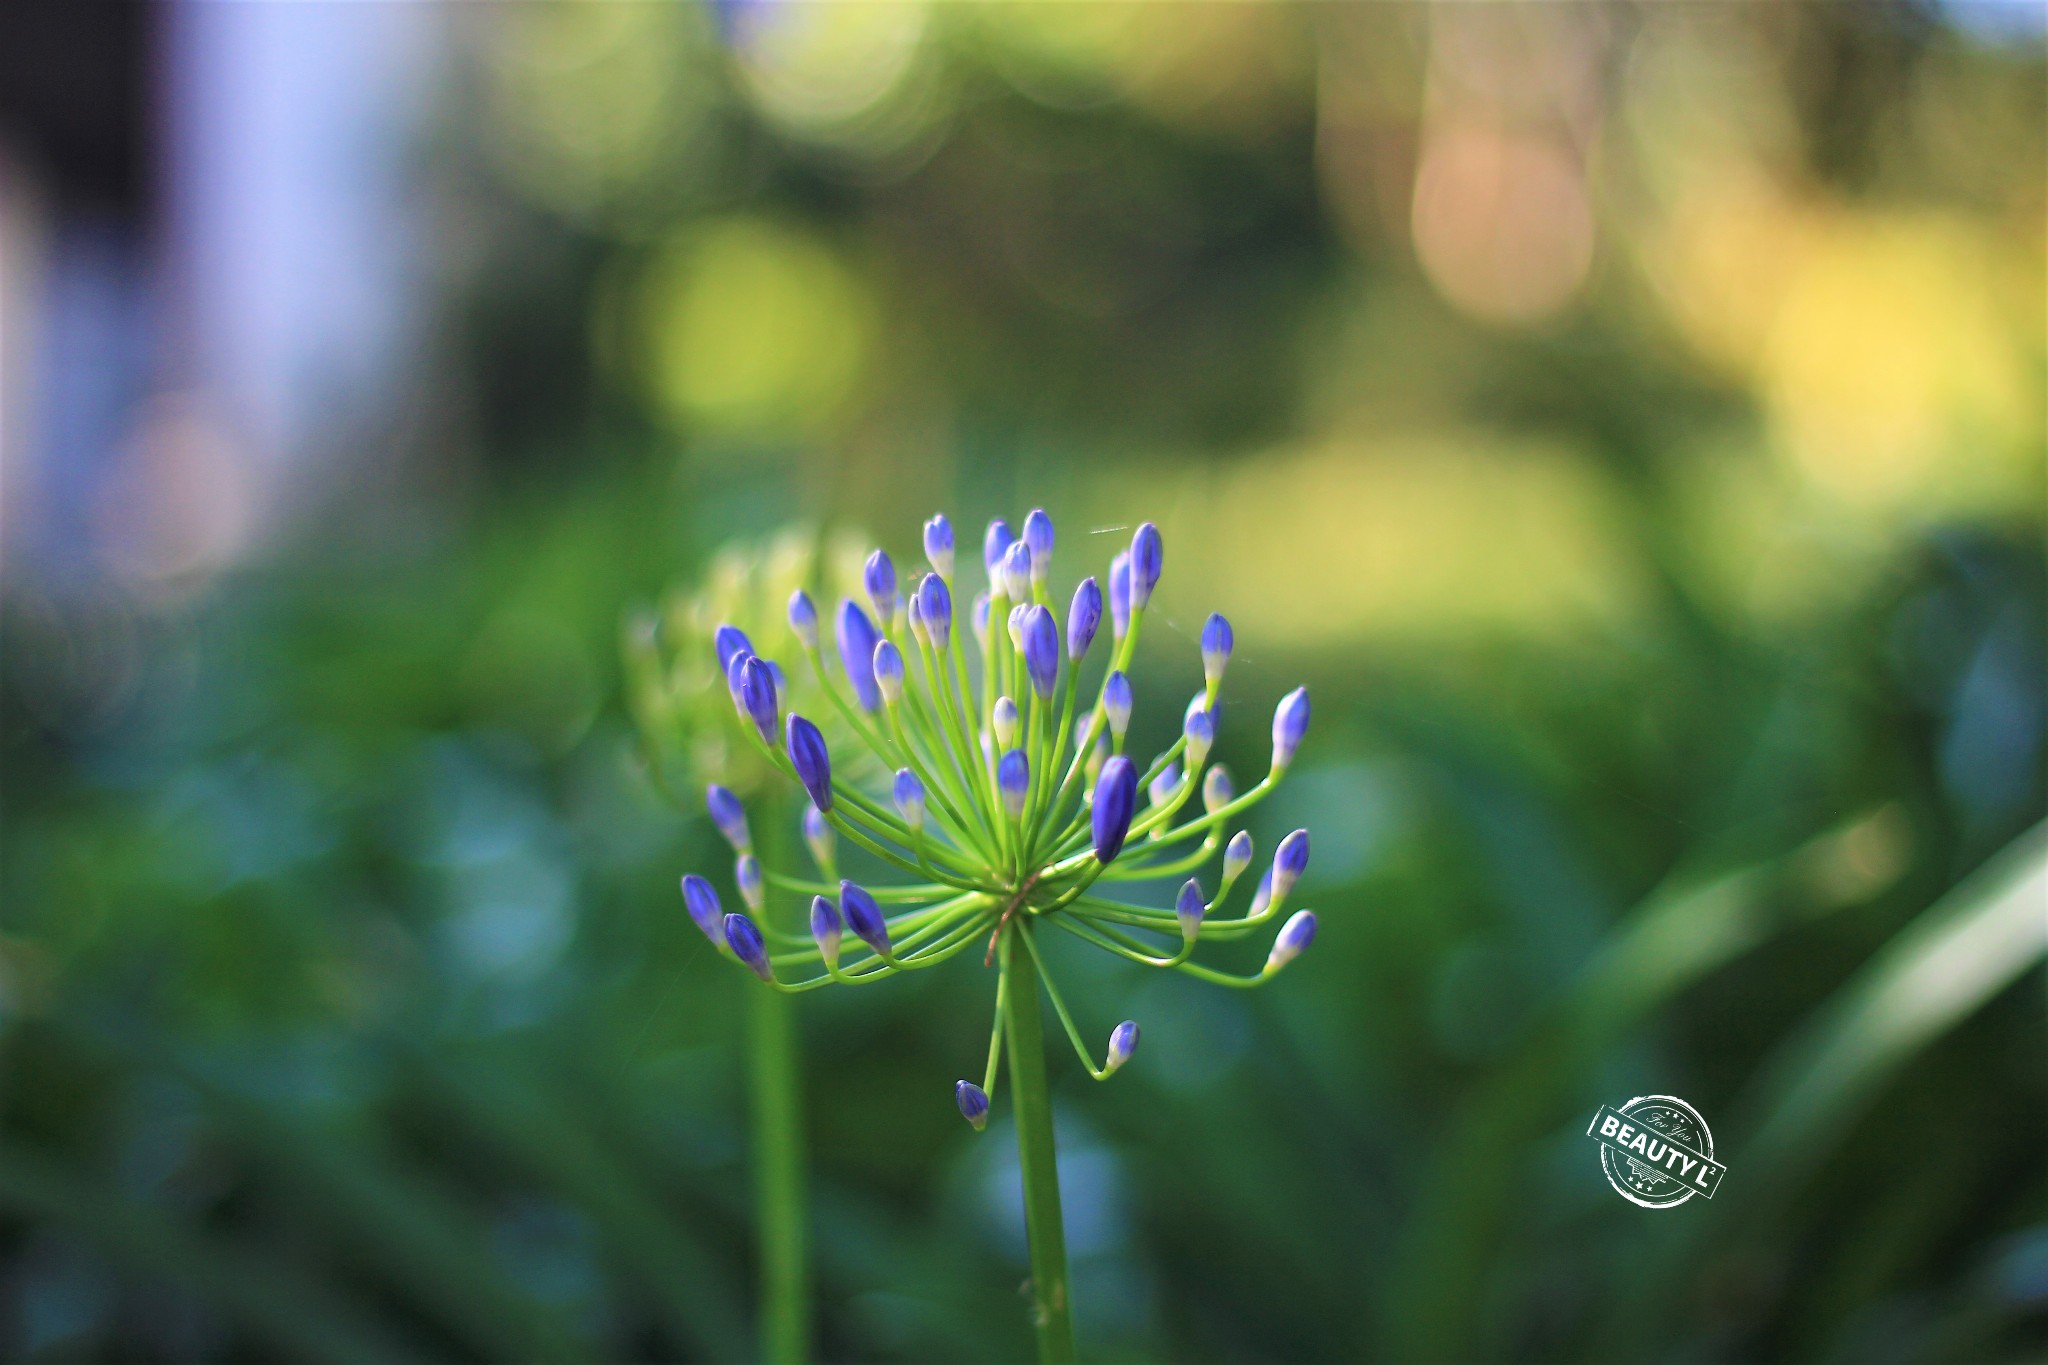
{"x":987,"y":766}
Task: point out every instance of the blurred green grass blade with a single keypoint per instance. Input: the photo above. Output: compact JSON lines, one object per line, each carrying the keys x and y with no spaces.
{"x":298,"y":1317}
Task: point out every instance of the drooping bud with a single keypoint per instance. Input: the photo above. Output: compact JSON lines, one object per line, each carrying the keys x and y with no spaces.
{"x":728,"y":641}
{"x":889,"y":671}
{"x":994,"y":545}
{"x":857,"y":637}
{"x":1123,"y":1041}
{"x":1120,"y":594}
{"x":1290,"y":723}
{"x":1041,"y":651}
{"x":1295,"y":936}
{"x":1217,"y":642}
{"x":935,"y":604}
{"x":1200,"y":732}
{"x":1290,"y":860}
{"x":803,"y":618}
{"x":1004,"y":721}
{"x":1017,"y":572}
{"x":864,"y":917}
{"x":1217,"y":789}
{"x":1084,"y":618}
{"x":729,"y":815}
{"x":980,"y":615}
{"x":1237,"y":855}
{"x":1116,"y":703}
{"x":1188,"y":909}
{"x":1038,"y":535}
{"x":821,"y":838}
{"x":745,"y":941}
{"x":705,"y":911}
{"x":909,"y":793}
{"x":1162,"y":787}
{"x":825,"y":927}
{"x":746,"y":874}
{"x":879,"y":576}
{"x":938,"y":545}
{"x":1013,"y":780}
{"x":1148,"y":556}
{"x":810,"y":758}
{"x":1116,"y":799}
{"x":973,"y":1102}
{"x":757,"y":698}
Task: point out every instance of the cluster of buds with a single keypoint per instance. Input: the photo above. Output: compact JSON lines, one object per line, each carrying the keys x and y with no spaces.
{"x":974,"y":769}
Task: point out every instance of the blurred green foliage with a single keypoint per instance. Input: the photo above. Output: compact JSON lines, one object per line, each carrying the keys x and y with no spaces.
{"x":1673,"y":600}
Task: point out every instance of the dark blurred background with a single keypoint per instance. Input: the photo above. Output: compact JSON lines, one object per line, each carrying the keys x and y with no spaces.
{"x":1629,"y":419}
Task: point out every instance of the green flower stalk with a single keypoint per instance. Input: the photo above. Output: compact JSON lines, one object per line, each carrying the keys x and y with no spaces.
{"x":986,"y":775}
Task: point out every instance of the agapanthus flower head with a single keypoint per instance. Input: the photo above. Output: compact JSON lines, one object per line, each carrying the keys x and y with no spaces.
{"x":729,"y":816}
{"x":1007,"y":824}
{"x":705,"y":911}
{"x":938,"y":545}
{"x":1084,"y":618}
{"x":803,"y":618}
{"x":857,"y":637}
{"x":879,"y":577}
{"x":1217,"y":642}
{"x":1038,"y":535}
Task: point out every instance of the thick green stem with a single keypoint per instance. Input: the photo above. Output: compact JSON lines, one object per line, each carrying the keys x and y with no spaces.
{"x":779,"y":1180}
{"x":1036,"y":1157}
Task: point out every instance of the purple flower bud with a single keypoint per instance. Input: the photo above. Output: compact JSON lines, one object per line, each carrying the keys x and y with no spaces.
{"x":746,"y":874}
{"x":857,"y":637}
{"x":702,"y":903}
{"x":909,"y":793}
{"x":1295,"y":936}
{"x":825,"y":929}
{"x":1217,"y":642}
{"x":864,"y":917}
{"x":727,"y":641}
{"x":813,"y":763}
{"x":915,"y":613}
{"x":1116,"y":703}
{"x":1041,"y":651}
{"x":973,"y":1102}
{"x":1262,"y":895}
{"x":1162,"y":787}
{"x":935,"y":605}
{"x":938,"y":545}
{"x":758,"y":700}
{"x":981,"y":618}
{"x":1017,"y":572}
{"x":1013,"y":780}
{"x":1199,"y":731}
{"x":1038,"y":535}
{"x":729,"y":815}
{"x":994,"y":545}
{"x":889,"y":671}
{"x":879,"y":574}
{"x":823,"y":842}
{"x":1290,"y":723}
{"x":1148,"y":556}
{"x":1123,"y":1041}
{"x":803,"y":618}
{"x":1084,"y":618}
{"x":1187,"y":908}
{"x":1217,"y":789}
{"x":735,"y":675}
{"x":1004,"y":720}
{"x":1120,"y":593}
{"x":1237,"y":855}
{"x":1016,"y":624}
{"x":745,"y":941}
{"x":1290,"y":860}
{"x":1116,"y":799}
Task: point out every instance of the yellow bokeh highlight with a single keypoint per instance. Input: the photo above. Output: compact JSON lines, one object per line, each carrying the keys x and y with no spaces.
{"x":754,"y":327}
